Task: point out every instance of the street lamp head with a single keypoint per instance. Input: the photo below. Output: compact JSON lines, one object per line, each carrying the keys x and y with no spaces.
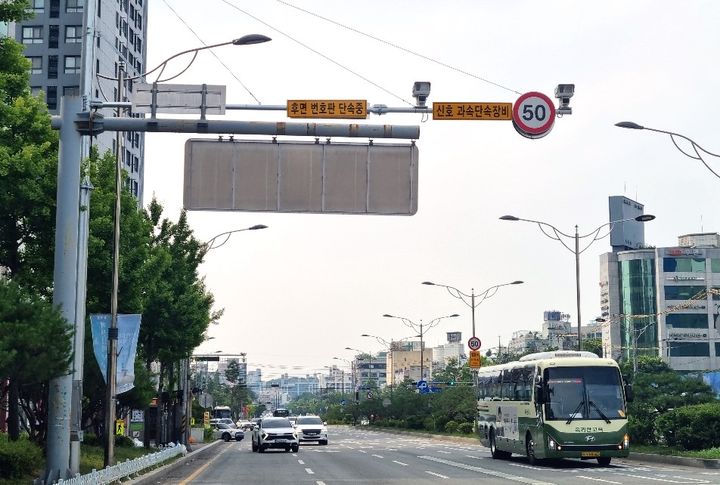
{"x":629,"y":124}
{"x":387,"y":315}
{"x":256,"y":227}
{"x":517,"y":282}
{"x":453,"y":315}
{"x":428,"y":283}
{"x":366,"y":335}
{"x":251,"y":39}
{"x":509,"y":218}
{"x":645,"y":218}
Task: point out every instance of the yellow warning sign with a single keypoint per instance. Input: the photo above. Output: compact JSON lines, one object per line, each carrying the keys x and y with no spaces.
{"x":327,"y":108}
{"x":206,"y":418}
{"x":120,"y":427}
{"x":472,"y":111}
{"x":475,"y":360}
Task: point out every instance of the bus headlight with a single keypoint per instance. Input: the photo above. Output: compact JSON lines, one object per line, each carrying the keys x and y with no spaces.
{"x":626,"y":441}
{"x":551,"y":444}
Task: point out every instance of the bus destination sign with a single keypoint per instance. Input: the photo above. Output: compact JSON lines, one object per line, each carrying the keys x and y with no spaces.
{"x":327,"y":108}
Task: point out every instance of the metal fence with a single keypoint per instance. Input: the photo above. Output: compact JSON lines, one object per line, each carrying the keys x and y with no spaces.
{"x":121,"y":470}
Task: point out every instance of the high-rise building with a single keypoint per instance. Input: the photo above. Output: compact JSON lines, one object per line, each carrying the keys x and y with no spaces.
{"x":664,"y":302}
{"x":69,"y":43}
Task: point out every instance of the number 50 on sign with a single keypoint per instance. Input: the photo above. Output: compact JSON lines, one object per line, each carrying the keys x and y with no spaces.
{"x":533,"y":115}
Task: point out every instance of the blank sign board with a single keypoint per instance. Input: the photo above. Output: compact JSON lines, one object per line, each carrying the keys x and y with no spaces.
{"x":304,"y":177}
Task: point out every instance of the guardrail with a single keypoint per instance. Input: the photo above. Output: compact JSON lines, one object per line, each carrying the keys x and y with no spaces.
{"x":121,"y":470}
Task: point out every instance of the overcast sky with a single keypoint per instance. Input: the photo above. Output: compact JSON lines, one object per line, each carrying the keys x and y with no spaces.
{"x":296,"y":294}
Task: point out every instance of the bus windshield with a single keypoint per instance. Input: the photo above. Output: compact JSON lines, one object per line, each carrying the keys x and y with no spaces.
{"x":578,"y":393}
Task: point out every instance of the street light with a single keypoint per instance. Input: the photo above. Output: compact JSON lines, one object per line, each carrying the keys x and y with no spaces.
{"x":109,"y":448}
{"x":210,"y":244}
{"x":421,"y":329}
{"x":557,"y":235}
{"x":483,"y":295}
{"x":370,"y":364}
{"x":696,"y":148}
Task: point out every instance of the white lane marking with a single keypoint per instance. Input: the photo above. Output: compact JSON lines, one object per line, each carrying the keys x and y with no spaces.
{"x":436,"y":474}
{"x":599,"y":480}
{"x":520,"y":465}
{"x":319,"y":483}
{"x":378,"y":456}
{"x":697,"y":480}
{"x":301,"y":462}
{"x":310,"y":472}
{"x":485,"y":471}
{"x":363,"y":451}
{"x":445,"y":452}
{"x":656,"y":479}
{"x":400,"y":463}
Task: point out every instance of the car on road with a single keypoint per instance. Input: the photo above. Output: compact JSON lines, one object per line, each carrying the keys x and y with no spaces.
{"x":215,"y":421}
{"x":245,"y":425}
{"x":311,"y":428}
{"x":275,"y":433}
{"x":223,"y":431}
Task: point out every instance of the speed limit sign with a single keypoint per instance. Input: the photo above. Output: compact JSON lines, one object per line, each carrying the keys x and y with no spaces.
{"x":474,"y":343}
{"x":533,"y":115}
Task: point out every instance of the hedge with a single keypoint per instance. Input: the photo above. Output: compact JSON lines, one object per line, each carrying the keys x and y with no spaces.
{"x":695,"y":427}
{"x":18,"y":458}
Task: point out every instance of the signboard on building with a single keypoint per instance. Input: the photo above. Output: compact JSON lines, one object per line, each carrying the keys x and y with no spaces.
{"x":472,"y":111}
{"x":327,"y":108}
{"x":301,"y":177}
{"x":454,"y":337}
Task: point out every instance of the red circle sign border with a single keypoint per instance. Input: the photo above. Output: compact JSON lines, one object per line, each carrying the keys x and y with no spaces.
{"x":472,"y":339}
{"x":518,"y":120}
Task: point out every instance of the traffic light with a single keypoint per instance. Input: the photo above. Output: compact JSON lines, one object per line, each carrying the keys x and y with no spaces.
{"x":451,"y":382}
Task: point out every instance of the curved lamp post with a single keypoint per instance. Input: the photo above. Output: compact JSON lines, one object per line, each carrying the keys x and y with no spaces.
{"x":109,"y":448}
{"x":483,"y":295}
{"x":558,"y":235}
{"x":422,"y":330}
{"x":696,"y":148}
{"x":352,"y":373}
{"x":210,"y":243}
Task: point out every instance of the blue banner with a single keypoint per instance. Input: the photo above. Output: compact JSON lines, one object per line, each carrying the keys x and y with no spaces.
{"x":128,"y":332}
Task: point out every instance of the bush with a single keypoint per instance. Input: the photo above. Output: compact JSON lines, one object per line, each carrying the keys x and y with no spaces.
{"x":124,"y":442}
{"x":695,"y":427}
{"x":415,"y":422}
{"x":451,"y":426}
{"x":641,"y":426}
{"x":208,"y":434}
{"x":18,"y":459}
{"x":465,"y":428}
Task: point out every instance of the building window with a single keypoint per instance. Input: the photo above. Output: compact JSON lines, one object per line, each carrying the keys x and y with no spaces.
{"x":35,"y":90}
{"x":71,"y":91}
{"x":74,"y":5}
{"x":36,"y":6}
{"x":32,"y":35}
{"x":73,"y":34}
{"x":52,"y":67}
{"x":715,"y":265}
{"x":687,"y":320}
{"x":51,"y":97}
{"x":53,"y":36}
{"x":689,"y":349}
{"x":684,"y":265}
{"x":72,"y":65}
{"x":682,"y":292}
{"x":54,"y":9}
{"x":35,"y":65}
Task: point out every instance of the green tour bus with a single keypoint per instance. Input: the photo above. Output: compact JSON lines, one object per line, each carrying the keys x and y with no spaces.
{"x":561,"y":404}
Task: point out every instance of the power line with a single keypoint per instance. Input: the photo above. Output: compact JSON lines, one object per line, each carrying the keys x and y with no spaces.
{"x":211,"y":52}
{"x":399,"y":47}
{"x":315,"y":51}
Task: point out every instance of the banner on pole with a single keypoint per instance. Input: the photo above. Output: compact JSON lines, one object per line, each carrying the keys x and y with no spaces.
{"x":128,"y":332}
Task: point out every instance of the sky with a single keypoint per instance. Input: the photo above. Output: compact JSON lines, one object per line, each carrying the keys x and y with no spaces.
{"x":297,"y":294}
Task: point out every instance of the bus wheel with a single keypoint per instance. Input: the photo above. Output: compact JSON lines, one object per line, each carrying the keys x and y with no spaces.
{"x":604,"y":460}
{"x":530,"y":450}
{"x":494,"y":452}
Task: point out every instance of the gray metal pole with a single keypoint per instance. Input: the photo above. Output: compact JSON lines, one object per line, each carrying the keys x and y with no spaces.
{"x":113,"y":330}
{"x":421,"y":351}
{"x":65,"y":280}
{"x":76,"y":433}
{"x":577,"y":286}
{"x":472,"y":305}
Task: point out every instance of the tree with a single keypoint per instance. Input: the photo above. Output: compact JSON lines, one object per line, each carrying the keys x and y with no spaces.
{"x":35,"y":346}
{"x":593,"y":345}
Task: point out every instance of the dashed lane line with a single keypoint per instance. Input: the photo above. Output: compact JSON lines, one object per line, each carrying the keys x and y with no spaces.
{"x":309,"y":471}
{"x":486,"y":471}
{"x":436,"y":474}
{"x":599,"y":480}
{"x":400,"y":463}
{"x":657,"y":479}
{"x":301,"y":462}
{"x":378,"y":456}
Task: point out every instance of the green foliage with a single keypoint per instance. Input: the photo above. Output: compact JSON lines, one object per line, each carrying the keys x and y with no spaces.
{"x":451,"y":426}
{"x":207,"y":434}
{"x":14,"y":10}
{"x":465,"y":428}
{"x":593,"y":345}
{"x":692,"y":427}
{"x":18,"y":458}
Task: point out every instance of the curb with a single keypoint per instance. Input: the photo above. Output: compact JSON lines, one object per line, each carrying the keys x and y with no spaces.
{"x":146,"y":476}
{"x":648,"y":457}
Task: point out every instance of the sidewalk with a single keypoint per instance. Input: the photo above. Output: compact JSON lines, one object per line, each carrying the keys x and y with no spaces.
{"x":648,"y":457}
{"x":196,"y":448}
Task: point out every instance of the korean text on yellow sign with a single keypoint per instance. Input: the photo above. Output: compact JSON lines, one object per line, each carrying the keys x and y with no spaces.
{"x":474,"y":360}
{"x":327,"y":108}
{"x":472,"y":111}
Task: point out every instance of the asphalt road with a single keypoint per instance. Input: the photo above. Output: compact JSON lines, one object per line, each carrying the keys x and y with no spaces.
{"x":359,"y":455}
